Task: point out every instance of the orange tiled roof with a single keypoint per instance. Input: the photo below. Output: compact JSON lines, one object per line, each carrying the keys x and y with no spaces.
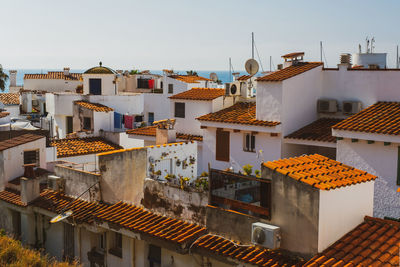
{"x":240,"y":113}
{"x":151,"y":131}
{"x":57,"y":75}
{"x":289,"y":72}
{"x":70,"y":147}
{"x":294,"y":54}
{"x":9,"y":98}
{"x":189,"y":78}
{"x":375,"y":242}
{"x":319,"y":130}
{"x":244,"y":77}
{"x":93,"y":106}
{"x":4,"y":114}
{"x":249,"y":254}
{"x":319,"y":171}
{"x":137,"y":219}
{"x":380,"y":118}
{"x":82,"y":211}
{"x":205,"y":94}
{"x":11,"y":196}
{"x":19,"y":140}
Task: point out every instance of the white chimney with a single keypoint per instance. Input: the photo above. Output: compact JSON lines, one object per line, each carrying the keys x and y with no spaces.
{"x":13,"y":78}
{"x":165,"y":132}
{"x":30,"y":189}
{"x":66,"y":71}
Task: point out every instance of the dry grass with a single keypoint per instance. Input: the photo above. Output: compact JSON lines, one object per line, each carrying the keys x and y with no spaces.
{"x":13,"y":254}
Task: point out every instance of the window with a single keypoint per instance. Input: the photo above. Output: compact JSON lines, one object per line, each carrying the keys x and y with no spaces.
{"x":154,"y":256}
{"x":222,"y":145}
{"x":170,"y":88}
{"x":150,"y":118}
{"x":102,"y":241}
{"x":95,"y":86}
{"x":180,"y":110}
{"x":69,"y":124}
{"x":31,"y":157}
{"x":398,"y":165}
{"x":87,"y":123}
{"x":249,"y":142}
{"x":116,"y":248}
{"x":161,"y":85}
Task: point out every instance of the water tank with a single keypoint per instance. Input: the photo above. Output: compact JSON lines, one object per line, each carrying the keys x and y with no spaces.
{"x":370,"y":60}
{"x":345,"y":59}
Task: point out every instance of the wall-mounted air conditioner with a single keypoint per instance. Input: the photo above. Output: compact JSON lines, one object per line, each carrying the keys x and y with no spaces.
{"x":233,"y":88}
{"x":266,"y":235}
{"x":327,"y":105}
{"x":351,"y":107}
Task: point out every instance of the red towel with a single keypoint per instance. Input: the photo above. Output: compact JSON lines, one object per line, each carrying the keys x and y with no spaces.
{"x":128,"y":122}
{"x":151,"y":84}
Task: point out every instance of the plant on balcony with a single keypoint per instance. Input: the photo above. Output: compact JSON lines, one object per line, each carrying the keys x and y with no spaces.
{"x":201,"y":183}
{"x":258,"y":173}
{"x":204,"y":174}
{"x":248,"y":169}
{"x":183,"y":181}
{"x":169,"y":177}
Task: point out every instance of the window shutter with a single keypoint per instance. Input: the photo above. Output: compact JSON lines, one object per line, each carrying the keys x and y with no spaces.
{"x":247,"y":142}
{"x":180,"y":110}
{"x":222,"y":146}
{"x":253,"y":142}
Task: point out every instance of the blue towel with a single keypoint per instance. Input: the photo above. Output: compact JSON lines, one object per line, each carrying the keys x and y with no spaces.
{"x":117,"y":120}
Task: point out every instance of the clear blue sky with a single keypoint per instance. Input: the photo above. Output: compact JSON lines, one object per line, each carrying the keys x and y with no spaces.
{"x":199,"y":35}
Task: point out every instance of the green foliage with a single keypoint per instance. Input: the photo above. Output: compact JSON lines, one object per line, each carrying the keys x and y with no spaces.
{"x":258,"y":173}
{"x":12,"y":254}
{"x":204,"y":174}
{"x":132,"y":72}
{"x":201,"y":183}
{"x":169,"y":177}
{"x":3,"y":79}
{"x":192,"y":73}
{"x":183,"y":181}
{"x":248,"y":169}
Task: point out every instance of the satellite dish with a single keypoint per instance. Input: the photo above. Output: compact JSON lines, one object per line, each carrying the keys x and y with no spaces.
{"x":213,"y":77}
{"x":251,"y":66}
{"x":61,"y":216}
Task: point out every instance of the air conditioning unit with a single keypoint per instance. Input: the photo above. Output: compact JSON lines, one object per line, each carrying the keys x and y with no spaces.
{"x":327,"y":106}
{"x":266,"y":235}
{"x":351,"y":107}
{"x":233,"y":88}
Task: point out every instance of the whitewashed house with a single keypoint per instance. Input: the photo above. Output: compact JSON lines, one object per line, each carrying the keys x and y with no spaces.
{"x":10,"y":103}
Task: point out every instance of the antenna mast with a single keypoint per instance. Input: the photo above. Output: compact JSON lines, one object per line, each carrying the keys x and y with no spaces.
{"x":320,"y":50}
{"x":252,"y":45}
{"x":270,"y":63}
{"x":397,"y":57}
{"x":230,"y":72}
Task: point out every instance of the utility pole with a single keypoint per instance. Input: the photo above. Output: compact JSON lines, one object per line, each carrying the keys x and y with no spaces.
{"x":230,"y":72}
{"x":252,"y":45}
{"x":397,"y":57}
{"x":270,"y":63}
{"x":320,"y":49}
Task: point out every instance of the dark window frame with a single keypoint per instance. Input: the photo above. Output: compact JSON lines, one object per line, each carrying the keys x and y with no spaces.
{"x":32,"y":157}
{"x":170,"y":88}
{"x":148,"y":118}
{"x":180,"y":109}
{"x":249,"y":142}
{"x":154,"y":255}
{"x":222,"y":145}
{"x":87,"y":123}
{"x":117,"y":245}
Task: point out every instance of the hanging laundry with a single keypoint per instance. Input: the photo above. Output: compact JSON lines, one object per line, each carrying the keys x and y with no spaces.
{"x":117,"y":120}
{"x":151,"y":84}
{"x":128,"y":121}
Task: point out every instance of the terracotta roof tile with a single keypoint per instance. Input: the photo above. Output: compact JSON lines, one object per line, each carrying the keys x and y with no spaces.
{"x":289,"y":72}
{"x":244,"y":77}
{"x":375,"y":242}
{"x":11,"y":196}
{"x":19,"y":140}
{"x":70,"y":147}
{"x":248,"y":254}
{"x":151,"y":131}
{"x":9,"y":98}
{"x":189,"y":78}
{"x":4,"y":114}
{"x":93,"y":106}
{"x":380,"y":118}
{"x":319,"y":171}
{"x":294,"y":54}
{"x":82,"y":211}
{"x":240,"y":113}
{"x":56,"y":75}
{"x":205,"y":94}
{"x":319,"y":130}
{"x":137,"y":219}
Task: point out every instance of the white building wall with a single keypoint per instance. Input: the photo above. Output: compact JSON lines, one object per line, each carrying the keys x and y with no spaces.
{"x":128,"y":246}
{"x":341,"y":210}
{"x":123,"y":104}
{"x":13,"y":110}
{"x":270,"y":147}
{"x":107,"y":83}
{"x":221,"y":103}
{"x":378,"y":160}
{"x":54,"y":243}
{"x":158,"y":104}
{"x":14,"y":158}
{"x":269,"y":101}
{"x":51,"y":85}
{"x":103,"y":121}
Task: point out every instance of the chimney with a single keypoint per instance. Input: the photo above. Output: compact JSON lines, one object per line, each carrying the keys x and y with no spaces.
{"x":66,"y":71}
{"x":56,"y":183}
{"x":13,"y":78}
{"x":30,"y":188}
{"x":165,"y":132}
{"x":345,"y":61}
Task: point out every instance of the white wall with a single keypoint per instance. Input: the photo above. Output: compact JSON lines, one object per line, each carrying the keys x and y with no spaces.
{"x":341,"y":210}
{"x":54,"y":243}
{"x":269,"y":101}
{"x":61,"y":104}
{"x":107,"y":83}
{"x":51,"y":85}
{"x":103,"y":121}
{"x":271,"y":147}
{"x":13,"y":159}
{"x":131,"y":104}
{"x":128,"y":255}
{"x":13,"y":110}
{"x":378,"y":160}
{"x":158,"y":104}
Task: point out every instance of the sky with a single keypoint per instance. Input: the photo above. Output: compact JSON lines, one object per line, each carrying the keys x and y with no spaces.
{"x":189,"y":35}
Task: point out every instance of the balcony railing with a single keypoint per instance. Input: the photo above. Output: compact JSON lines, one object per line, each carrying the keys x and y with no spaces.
{"x":242,"y":193}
